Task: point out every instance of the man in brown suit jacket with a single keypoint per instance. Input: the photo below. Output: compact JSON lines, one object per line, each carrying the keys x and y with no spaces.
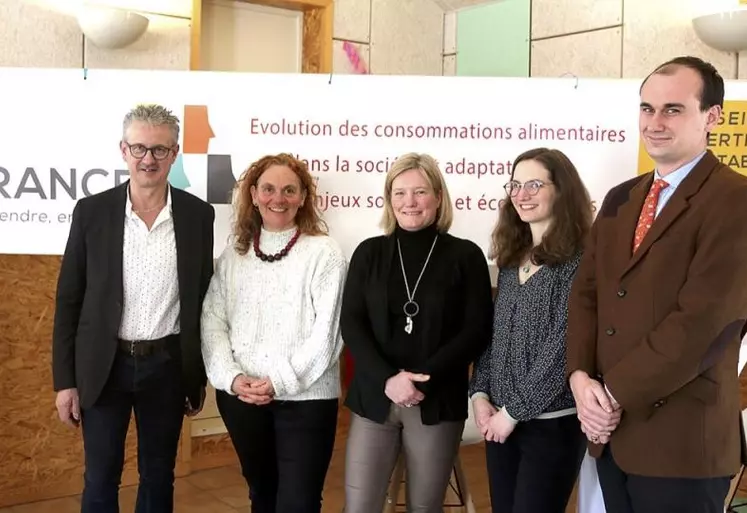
{"x":658,"y":309}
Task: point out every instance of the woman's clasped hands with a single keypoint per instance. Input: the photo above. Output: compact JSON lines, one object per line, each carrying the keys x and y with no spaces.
{"x":400,"y":388}
{"x":494,"y":425}
{"x":258,"y":391}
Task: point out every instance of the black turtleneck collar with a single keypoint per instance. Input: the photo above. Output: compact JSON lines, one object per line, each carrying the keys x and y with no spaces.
{"x":422,"y":237}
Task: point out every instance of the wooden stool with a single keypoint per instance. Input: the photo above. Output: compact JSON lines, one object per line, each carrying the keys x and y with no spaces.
{"x":458,"y":484}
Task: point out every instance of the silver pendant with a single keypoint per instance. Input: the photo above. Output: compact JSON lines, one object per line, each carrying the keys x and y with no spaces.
{"x":408,"y":325}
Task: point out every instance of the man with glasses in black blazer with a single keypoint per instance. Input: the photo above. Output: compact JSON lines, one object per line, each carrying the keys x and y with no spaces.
{"x":135,"y":270}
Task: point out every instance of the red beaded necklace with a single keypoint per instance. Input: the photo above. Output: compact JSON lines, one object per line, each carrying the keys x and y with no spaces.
{"x":280,"y":254}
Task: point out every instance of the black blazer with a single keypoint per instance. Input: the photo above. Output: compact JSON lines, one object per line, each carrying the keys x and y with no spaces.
{"x":456,"y":300}
{"x":90,"y":290}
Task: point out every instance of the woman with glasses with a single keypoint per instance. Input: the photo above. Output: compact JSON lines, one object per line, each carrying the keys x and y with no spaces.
{"x":270,"y":336}
{"x":415,"y":313}
{"x":520,"y":396}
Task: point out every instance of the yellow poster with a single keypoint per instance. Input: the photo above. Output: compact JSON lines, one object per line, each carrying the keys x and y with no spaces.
{"x":728,"y":141}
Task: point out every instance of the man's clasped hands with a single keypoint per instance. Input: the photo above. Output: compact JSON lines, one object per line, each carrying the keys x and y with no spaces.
{"x":597,"y":411}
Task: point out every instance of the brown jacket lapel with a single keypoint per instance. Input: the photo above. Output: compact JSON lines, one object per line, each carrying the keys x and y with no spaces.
{"x":627,"y":215}
{"x":677,"y":204}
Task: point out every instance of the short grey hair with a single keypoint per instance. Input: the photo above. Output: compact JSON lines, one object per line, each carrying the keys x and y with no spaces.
{"x":155,"y":115}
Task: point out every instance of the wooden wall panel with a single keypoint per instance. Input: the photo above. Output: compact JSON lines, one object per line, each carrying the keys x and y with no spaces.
{"x":41,"y":457}
{"x":195,"y":35}
{"x":317,"y":40}
{"x":37,"y":452}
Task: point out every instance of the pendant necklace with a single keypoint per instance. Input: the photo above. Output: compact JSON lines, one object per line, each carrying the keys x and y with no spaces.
{"x":411,"y":308}
{"x":528,"y":266}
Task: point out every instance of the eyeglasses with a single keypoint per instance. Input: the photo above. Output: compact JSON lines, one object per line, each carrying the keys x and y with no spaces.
{"x":139,"y":151}
{"x":532,"y":187}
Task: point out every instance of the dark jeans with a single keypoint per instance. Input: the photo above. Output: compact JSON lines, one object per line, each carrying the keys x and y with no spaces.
{"x":284,"y":448}
{"x":629,"y":493}
{"x":537,"y":466}
{"x":152,"y":387}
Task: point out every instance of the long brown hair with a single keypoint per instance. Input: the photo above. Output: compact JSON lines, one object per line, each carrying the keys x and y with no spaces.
{"x":571,"y":213}
{"x":248,"y":220}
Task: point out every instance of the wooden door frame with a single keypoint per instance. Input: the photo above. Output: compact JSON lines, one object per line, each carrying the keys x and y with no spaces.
{"x":318,"y":20}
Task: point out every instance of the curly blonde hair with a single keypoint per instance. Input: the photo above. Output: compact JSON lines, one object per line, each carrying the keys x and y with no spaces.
{"x":248,"y":220}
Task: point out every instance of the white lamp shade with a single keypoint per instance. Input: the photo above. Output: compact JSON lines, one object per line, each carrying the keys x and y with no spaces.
{"x":725,"y":31}
{"x":111,"y":28}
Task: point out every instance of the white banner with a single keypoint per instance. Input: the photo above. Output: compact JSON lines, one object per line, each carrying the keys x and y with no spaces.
{"x":60,"y":132}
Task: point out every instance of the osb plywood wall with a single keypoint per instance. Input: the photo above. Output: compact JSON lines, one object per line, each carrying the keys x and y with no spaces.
{"x":40,"y":457}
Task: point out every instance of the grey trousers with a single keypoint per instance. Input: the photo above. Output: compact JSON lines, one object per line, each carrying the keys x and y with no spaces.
{"x":372,"y":451}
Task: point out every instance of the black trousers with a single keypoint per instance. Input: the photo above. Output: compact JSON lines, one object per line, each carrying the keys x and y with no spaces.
{"x":536,"y":468}
{"x":628,"y":493}
{"x":151,"y":386}
{"x":284,"y":449}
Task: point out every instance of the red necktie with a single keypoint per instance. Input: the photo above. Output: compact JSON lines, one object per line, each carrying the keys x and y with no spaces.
{"x":648,"y":212}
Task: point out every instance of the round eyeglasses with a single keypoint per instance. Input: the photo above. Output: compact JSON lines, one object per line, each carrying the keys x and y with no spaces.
{"x":532,"y":187}
{"x":139,"y":151}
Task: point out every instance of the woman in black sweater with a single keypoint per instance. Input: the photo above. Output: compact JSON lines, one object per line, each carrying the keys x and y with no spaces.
{"x":416,"y":311}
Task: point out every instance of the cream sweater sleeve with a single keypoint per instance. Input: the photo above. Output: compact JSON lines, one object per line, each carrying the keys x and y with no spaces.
{"x":317,"y":352}
{"x":220,"y":366}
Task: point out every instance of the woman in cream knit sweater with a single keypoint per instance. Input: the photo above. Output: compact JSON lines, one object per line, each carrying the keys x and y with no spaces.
{"x":270,"y":336}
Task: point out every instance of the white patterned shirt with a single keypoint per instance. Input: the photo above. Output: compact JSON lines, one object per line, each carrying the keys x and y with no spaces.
{"x":149,"y":276}
{"x":277,"y":320}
